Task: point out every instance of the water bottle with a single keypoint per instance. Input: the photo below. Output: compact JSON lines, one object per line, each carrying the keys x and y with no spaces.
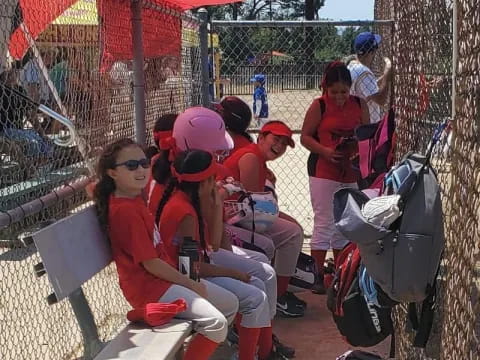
{"x":188,"y":258}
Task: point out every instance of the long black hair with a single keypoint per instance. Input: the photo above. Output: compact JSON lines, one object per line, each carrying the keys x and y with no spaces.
{"x":187,"y":162}
{"x":161,"y":168}
{"x":105,"y":185}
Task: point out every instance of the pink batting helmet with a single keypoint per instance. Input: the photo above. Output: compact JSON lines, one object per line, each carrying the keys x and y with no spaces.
{"x":199,"y":128}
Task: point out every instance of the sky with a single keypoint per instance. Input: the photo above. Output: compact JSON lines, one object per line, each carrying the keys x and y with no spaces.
{"x":347,"y":10}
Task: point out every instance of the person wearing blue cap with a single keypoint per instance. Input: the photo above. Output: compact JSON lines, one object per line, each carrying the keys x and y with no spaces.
{"x":260,"y":102}
{"x":365,"y":85}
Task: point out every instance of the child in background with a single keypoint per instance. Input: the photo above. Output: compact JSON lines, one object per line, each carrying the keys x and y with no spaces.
{"x":249,"y":166}
{"x":260,"y":102}
{"x":191,"y":207}
{"x":146,"y":273}
{"x":327,"y":132}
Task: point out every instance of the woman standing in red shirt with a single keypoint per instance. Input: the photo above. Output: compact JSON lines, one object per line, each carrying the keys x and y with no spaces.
{"x":327,"y":132}
{"x":146,"y":273}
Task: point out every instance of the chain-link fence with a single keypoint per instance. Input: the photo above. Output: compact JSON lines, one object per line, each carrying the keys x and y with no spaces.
{"x":424,"y":57}
{"x":74,"y":57}
{"x":292,"y":56}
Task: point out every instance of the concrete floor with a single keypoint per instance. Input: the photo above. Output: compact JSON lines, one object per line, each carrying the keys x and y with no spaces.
{"x":315,"y":336}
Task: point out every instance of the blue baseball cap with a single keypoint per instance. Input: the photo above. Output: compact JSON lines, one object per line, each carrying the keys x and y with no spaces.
{"x":258,"y":77}
{"x":365,"y":42}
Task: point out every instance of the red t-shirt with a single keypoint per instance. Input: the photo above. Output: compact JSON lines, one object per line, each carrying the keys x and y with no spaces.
{"x":175,"y":210}
{"x":232,"y":163}
{"x":134,"y":238}
{"x":335,"y":122}
{"x":239,"y":141}
{"x":154,"y":192}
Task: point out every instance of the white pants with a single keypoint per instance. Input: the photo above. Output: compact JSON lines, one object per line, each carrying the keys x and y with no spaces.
{"x":325,"y":235}
{"x":284,"y":239}
{"x":240,"y":260}
{"x":210,"y":316}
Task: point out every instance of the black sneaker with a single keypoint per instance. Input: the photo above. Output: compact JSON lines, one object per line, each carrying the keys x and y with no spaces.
{"x":296,"y":299}
{"x":283,"y":349}
{"x":289,"y":308}
{"x":276,"y":355}
{"x":232,"y":336}
{"x":319,"y":287}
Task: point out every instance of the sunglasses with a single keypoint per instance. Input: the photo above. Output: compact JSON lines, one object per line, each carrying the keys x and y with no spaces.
{"x":133,"y":165}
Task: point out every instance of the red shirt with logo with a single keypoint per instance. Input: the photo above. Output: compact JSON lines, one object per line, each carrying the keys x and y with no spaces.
{"x":232,"y":163}
{"x":134,"y":239}
{"x":336,"y":123}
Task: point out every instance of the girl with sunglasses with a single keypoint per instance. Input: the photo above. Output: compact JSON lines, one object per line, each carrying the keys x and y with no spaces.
{"x":146,"y":272}
{"x":191,"y":207}
{"x":327,"y":132}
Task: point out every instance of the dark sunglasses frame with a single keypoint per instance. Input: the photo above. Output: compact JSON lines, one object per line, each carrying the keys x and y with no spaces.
{"x":133,"y":165}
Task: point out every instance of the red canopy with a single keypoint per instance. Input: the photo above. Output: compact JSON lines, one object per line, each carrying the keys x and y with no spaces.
{"x":190,"y":4}
{"x":37,"y":15}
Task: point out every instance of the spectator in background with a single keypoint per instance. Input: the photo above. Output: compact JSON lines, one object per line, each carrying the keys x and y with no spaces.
{"x":365,"y":85}
{"x":260,"y":102}
{"x":32,"y":79}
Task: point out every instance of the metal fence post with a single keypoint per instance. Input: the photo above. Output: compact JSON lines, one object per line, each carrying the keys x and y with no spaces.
{"x":203,"y":17}
{"x":138,"y":72}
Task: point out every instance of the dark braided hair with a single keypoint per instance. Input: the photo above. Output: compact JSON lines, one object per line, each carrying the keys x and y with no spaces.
{"x":105,"y":185}
{"x":161,"y":168}
{"x":336,"y":71}
{"x":188,"y":162}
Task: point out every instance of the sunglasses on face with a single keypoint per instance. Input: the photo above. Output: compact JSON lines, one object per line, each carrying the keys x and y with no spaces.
{"x":133,"y":165}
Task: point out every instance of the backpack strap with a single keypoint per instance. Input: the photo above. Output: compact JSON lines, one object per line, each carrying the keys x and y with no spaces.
{"x":423,"y":327}
{"x":323,"y":106}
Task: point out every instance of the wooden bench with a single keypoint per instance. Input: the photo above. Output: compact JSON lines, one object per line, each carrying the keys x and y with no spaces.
{"x":73,"y":250}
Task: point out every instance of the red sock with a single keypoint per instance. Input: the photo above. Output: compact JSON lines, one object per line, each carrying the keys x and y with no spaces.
{"x":247,"y":342}
{"x":319,"y":256}
{"x":282,"y":284}
{"x":238,"y":321}
{"x":200,"y":348}
{"x":265,"y":342}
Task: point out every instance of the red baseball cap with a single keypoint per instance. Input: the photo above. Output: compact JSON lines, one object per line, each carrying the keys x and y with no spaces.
{"x":280,"y":129}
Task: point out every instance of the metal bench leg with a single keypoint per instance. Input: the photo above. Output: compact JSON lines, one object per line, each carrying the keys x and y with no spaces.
{"x":91,"y":342}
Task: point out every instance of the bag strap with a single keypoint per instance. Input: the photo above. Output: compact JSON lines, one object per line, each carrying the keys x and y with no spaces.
{"x":392,"y":345}
{"x":323,"y":106}
{"x":423,"y":327}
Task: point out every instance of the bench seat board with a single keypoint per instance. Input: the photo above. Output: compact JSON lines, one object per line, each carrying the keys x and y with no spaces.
{"x":73,"y":250}
{"x":136,"y":343}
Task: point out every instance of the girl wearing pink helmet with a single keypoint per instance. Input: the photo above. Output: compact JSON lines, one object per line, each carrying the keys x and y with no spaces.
{"x":202,"y":129}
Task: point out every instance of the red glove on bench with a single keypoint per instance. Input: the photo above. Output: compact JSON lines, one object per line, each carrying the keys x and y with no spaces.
{"x":156,"y":314}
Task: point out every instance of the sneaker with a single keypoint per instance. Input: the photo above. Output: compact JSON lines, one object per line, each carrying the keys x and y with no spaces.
{"x":283,"y":349}
{"x":319,"y":287}
{"x":289,"y":308}
{"x":235,"y":356}
{"x":232,"y":336}
{"x":276,"y":355}
{"x":296,"y":299}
